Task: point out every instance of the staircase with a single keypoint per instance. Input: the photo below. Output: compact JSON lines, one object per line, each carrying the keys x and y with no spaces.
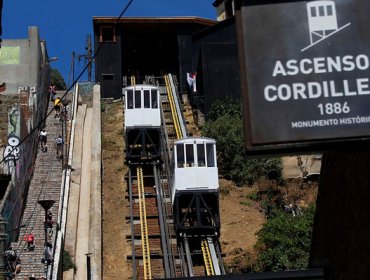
{"x":45,"y":185}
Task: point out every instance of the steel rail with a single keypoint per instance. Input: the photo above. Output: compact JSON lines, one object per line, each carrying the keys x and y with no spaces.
{"x":143,"y":224}
{"x":214,"y":257}
{"x":180,"y":249}
{"x":180,"y":115}
{"x":176,"y":122}
{"x":188,"y":257}
{"x":132,"y":225}
{"x":207,"y":258}
{"x":219,"y":256}
{"x":162,"y":224}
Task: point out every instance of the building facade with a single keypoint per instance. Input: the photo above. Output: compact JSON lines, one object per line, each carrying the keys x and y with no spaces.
{"x":143,"y":47}
{"x":24,"y":80}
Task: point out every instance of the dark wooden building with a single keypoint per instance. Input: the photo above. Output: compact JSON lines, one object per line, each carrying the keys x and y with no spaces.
{"x":216,"y":58}
{"x":143,"y":46}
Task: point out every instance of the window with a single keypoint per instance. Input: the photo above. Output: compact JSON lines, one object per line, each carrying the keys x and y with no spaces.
{"x":329,"y":10}
{"x":146,"y":99}
{"x":313,"y":11}
{"x":210,"y":155}
{"x":180,"y":155}
{"x":107,"y":34}
{"x":130,"y":99}
{"x":137,"y":99}
{"x":201,"y":155}
{"x":321,"y":11}
{"x":189,"y":155}
{"x":154,"y":98}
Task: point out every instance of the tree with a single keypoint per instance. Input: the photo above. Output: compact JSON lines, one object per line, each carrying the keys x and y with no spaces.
{"x":285,"y":241}
{"x":68,"y":262}
{"x":225,"y":125}
{"x":57,"y":80}
{"x":228,"y":106}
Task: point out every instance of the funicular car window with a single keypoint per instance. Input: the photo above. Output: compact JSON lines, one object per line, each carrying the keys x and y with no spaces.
{"x":130,"y":99}
{"x":321,"y":11}
{"x":154,"y":99}
{"x":137,"y":98}
{"x":210,"y":155}
{"x":146,"y":99}
{"x":329,"y":10}
{"x":180,"y":155}
{"x":201,"y":155}
{"x":189,"y":155}
{"x":313,"y":11}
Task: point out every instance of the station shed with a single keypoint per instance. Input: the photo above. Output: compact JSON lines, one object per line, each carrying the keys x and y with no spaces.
{"x":143,"y":46}
{"x":216,"y":58}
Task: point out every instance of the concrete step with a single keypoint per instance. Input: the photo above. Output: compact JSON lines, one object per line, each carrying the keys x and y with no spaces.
{"x":46,"y":184}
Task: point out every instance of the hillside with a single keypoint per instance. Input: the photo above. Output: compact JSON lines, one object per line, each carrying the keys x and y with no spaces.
{"x":241,"y":217}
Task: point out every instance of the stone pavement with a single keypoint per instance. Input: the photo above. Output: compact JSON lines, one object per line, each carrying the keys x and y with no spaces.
{"x":45,"y":185}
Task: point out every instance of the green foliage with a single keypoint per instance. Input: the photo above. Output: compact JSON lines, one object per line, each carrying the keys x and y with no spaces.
{"x":226,"y":126}
{"x":245,"y":203}
{"x":269,"y":208}
{"x":228,"y":106}
{"x":285,"y":241}
{"x":57,"y":80}
{"x":253,"y":196}
{"x":68,"y":262}
{"x":243,"y":263}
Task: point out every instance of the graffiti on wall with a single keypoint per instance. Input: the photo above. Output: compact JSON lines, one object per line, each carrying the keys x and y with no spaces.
{"x":26,"y":98}
{"x":11,"y":152}
{"x":10,"y":55}
{"x":26,"y":89}
{"x":14,"y":122}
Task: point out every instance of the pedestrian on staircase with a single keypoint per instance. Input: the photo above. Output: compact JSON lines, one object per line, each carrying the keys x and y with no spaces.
{"x":52,"y":93}
{"x":57,"y":105}
{"x":17,"y":267}
{"x":10,"y":255}
{"x":30,"y":239}
{"x":59,"y":146}
{"x":49,"y":223}
{"x":49,"y":215}
{"x":43,"y":139}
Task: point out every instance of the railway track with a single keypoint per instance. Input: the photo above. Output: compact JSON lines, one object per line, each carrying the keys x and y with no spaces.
{"x":156,"y":251}
{"x":152,"y":239}
{"x":151,"y":233}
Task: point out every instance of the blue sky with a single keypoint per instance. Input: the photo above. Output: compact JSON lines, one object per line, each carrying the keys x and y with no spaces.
{"x":65,"y":24}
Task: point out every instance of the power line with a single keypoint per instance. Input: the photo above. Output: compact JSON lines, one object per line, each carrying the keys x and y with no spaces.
{"x":88,"y":66}
{"x":71,"y":86}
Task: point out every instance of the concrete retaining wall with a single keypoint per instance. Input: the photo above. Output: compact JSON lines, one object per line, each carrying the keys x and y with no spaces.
{"x":83,"y":234}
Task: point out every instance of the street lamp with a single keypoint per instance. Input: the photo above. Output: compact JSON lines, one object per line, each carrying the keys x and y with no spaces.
{"x":54,"y":58}
{"x":88,"y":266}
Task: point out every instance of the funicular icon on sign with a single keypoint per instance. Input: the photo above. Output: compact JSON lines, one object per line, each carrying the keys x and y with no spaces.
{"x":322,"y":21}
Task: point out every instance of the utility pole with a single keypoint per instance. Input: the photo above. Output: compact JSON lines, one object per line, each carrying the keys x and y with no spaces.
{"x":71,"y":76}
{"x":87,"y":57}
